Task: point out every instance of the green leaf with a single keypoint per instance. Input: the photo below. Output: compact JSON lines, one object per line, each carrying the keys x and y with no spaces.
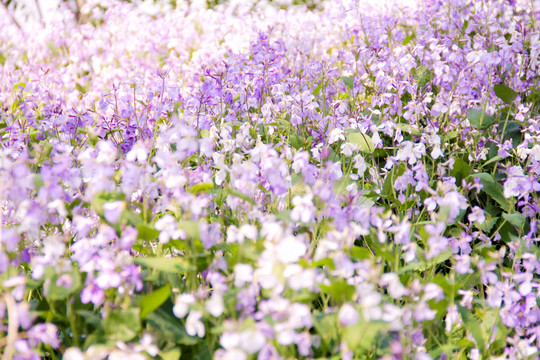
{"x":201,"y":187}
{"x":170,"y":328}
{"x":324,"y":262}
{"x":317,"y":90}
{"x":340,"y":290}
{"x":172,"y":354}
{"x":38,"y":181}
{"x":407,"y":39}
{"x":146,"y":232}
{"x":505,"y":93}
{"x":59,"y":292}
{"x":349,"y":81}
{"x":203,"y":352}
{"x":152,"y":301}
{"x":450,"y":136}
{"x":487,"y":225}
{"x":232,"y":192}
{"x":472,"y":325}
{"x":479,"y":119}
{"x":284,"y":124}
{"x":513,"y":131}
{"x":390,"y":178}
{"x":363,"y":335}
{"x":426,"y":264}
{"x":365,"y":202}
{"x":443,"y":349}
{"x":2,"y":59}
{"x":122,"y":325}
{"x":515,"y":219}
{"x":82,"y":89}
{"x":361,"y":253}
{"x":296,"y":141}
{"x":165,"y":264}
{"x":461,"y":170}
{"x":130,"y":217}
{"x":363,"y":141}
{"x":191,"y":228}
{"x":104,"y":197}
{"x":493,"y":159}
{"x":18,"y":85}
{"x":494,"y":190}
{"x":409,"y":129}
{"x":326,"y":326}
{"x":423,"y":75}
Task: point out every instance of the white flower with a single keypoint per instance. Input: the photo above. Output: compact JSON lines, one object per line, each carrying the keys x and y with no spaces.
{"x":168,"y":229}
{"x":181,"y":306}
{"x":215,"y":305}
{"x":360,"y":164}
{"x":299,"y":316}
{"x":299,"y":277}
{"x":138,"y":153}
{"x":348,"y":315}
{"x":290,"y":249}
{"x":230,"y":354}
{"x":145,"y":344}
{"x":221,"y":175}
{"x":535,"y":152}
{"x":252,"y":340}
{"x":394,"y":287}
{"x":243,"y":273}
{"x":303,"y":208}
{"x":433,"y":291}
{"x":436,"y":152}
{"x":348,"y":148}
{"x":194,"y":325}
{"x":335,"y":135}
{"x":73,"y":354}
{"x":411,"y":152}
{"x":59,"y":206}
{"x":248,"y":231}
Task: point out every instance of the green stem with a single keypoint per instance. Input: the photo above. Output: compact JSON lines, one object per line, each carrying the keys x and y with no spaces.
{"x":73,"y":323}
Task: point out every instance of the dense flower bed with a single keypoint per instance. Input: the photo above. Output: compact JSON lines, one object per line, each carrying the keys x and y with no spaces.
{"x":358,"y":181}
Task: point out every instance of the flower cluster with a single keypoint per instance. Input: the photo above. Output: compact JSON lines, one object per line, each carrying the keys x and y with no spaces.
{"x":266,"y":180}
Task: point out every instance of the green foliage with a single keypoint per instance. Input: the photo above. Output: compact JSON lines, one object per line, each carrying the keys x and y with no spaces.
{"x":506,"y":94}
{"x":363,"y":141}
{"x":152,"y":301}
{"x":479,"y":119}
{"x":174,"y":265}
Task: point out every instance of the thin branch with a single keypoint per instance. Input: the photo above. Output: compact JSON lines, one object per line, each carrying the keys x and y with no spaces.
{"x":13,"y":325}
{"x":39,"y":11}
{"x":10,"y":14}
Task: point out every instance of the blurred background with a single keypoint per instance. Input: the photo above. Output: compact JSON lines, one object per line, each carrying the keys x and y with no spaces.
{"x":24,"y":12}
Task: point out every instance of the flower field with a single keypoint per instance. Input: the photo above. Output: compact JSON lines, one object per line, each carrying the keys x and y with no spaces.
{"x":254,"y":180}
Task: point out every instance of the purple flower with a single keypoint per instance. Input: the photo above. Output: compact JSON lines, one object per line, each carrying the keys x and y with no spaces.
{"x":45,"y":333}
{"x":9,"y":239}
{"x":4,"y":262}
{"x":113,"y":210}
{"x":24,"y":351}
{"x":437,"y":243}
{"x":422,"y":312}
{"x":92,"y":293}
{"x":210,"y":234}
{"x":477,"y":215}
